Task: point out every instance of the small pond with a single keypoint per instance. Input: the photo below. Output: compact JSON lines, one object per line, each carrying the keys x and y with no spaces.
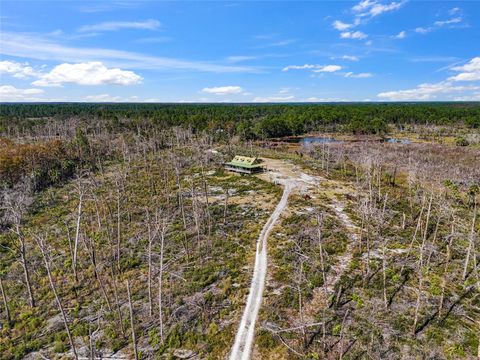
{"x":317,"y":140}
{"x":309,"y":140}
{"x":397,"y":141}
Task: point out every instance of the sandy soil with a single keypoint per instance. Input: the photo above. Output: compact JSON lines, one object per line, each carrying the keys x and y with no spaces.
{"x":291,"y":179}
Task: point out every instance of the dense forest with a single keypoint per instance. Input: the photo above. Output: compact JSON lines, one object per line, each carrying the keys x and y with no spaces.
{"x":122,"y":236}
{"x":246,"y":120}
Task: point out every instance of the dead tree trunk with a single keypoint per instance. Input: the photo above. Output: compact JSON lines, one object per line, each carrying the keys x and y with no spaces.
{"x":420,"y":268}
{"x":54,"y":290}
{"x":90,"y":247}
{"x":77,"y":231}
{"x":320,"y":248}
{"x":26,"y":273}
{"x":207,"y":205}
{"x":119,"y":228}
{"x":182,"y":207}
{"x":130,"y":308}
{"x":117,"y":301}
{"x":444,"y":281}
{"x":5,"y":304}
{"x":160,"y":278}
{"x":149,"y":255}
{"x":227,"y":194}
{"x":470,"y":243}
{"x":196,"y":214}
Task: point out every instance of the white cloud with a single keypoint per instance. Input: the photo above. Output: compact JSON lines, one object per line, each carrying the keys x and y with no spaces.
{"x":353,"y":35}
{"x":345,"y":57}
{"x":273,"y":42}
{"x":17,"y":70}
{"x":473,"y":97}
{"x":103,"y":6}
{"x":422,"y":30}
{"x":89,"y":73}
{"x":240,"y":58}
{"x":448,"y":22}
{"x":468,"y":72}
{"x":400,"y":35}
{"x":434,"y":59}
{"x":328,"y":68}
{"x":358,"y":76}
{"x":41,"y":48}
{"x":281,"y":43}
{"x":11,"y":93}
{"x":472,"y":66}
{"x":154,"y":40}
{"x":102,"y":98}
{"x":223,"y":90}
{"x":438,"y":24}
{"x":368,"y":8}
{"x":313,"y":67}
{"x":299,"y":67}
{"x":316,"y":99}
{"x":274,"y":98}
{"x":341,"y":26}
{"x":425,"y":91}
{"x":453,"y":11}
{"x":378,"y":9}
{"x":285,"y":90}
{"x":363,"y":5}
{"x":150,"y":24}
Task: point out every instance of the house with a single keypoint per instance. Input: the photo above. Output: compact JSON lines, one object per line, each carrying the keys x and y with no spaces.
{"x":245,"y":165}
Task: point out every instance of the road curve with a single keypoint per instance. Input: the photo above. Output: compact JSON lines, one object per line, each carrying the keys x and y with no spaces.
{"x":242,"y":347}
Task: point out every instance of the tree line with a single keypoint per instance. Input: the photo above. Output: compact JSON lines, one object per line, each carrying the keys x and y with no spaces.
{"x":249,"y":121}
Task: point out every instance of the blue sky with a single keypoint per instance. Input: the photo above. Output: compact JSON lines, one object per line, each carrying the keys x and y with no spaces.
{"x":239,"y":51}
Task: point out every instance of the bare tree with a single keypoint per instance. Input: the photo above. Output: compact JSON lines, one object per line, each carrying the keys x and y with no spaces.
{"x":132,"y":325}
{"x":420,"y":267}
{"x":117,"y":301}
{"x":90,"y":248}
{"x":470,"y":243}
{"x":149,"y":256}
{"x":196,"y":213}
{"x":119,"y":224}
{"x":225,"y":206}
{"x":163,"y":231}
{"x":181,"y":202}
{"x":80,"y":191}
{"x":152,"y":235}
{"x":47,"y":261}
{"x":15,"y":204}
{"x":319,"y":217}
{"x":5,"y":304}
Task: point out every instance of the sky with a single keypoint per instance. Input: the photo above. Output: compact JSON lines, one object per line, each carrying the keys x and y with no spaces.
{"x":239,"y":51}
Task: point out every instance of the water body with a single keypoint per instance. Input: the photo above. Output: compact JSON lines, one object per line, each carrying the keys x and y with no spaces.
{"x":312,"y":140}
{"x":317,"y":140}
{"x":396,"y":141}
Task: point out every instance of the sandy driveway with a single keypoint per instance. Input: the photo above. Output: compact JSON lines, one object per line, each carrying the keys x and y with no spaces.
{"x":244,"y":339}
{"x":286,"y":175}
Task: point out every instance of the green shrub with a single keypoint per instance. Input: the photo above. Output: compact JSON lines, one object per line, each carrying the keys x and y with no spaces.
{"x":461,"y":141}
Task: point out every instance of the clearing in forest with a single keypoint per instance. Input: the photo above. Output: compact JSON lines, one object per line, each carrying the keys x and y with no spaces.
{"x":292,"y":180}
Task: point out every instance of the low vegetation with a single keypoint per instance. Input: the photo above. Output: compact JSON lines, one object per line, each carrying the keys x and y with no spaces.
{"x":121,"y":234}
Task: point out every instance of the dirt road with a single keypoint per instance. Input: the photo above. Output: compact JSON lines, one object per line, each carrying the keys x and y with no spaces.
{"x":286,"y":175}
{"x":244,"y":340}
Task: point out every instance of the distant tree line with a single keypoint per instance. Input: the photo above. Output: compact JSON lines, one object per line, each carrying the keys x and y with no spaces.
{"x":249,"y":121}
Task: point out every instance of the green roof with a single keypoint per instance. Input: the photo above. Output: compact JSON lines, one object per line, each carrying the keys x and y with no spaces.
{"x":245,"y":162}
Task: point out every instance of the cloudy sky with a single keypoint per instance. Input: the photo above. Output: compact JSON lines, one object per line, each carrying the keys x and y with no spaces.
{"x":239,"y":51}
